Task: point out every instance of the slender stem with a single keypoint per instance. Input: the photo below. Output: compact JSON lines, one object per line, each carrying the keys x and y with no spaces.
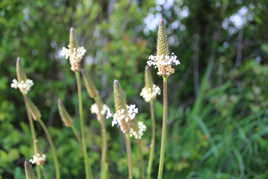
{"x":44,"y":172}
{"x":53,"y":149}
{"x":76,"y":134}
{"x":129,"y":160}
{"x":164,"y":129}
{"x":38,"y":170}
{"x":82,"y":126}
{"x":104,"y":163}
{"x":141,"y":159}
{"x":151,"y":155}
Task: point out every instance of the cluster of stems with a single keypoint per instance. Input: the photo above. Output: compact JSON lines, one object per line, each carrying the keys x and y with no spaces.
{"x":34,"y":114}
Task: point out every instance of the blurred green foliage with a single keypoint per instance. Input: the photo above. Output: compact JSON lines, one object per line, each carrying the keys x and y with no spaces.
{"x":218,"y":116}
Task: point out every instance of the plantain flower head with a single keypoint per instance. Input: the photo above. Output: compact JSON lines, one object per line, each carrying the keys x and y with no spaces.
{"x":150,"y":91}
{"x":124,"y":116}
{"x":73,"y":53}
{"x":22,"y":82}
{"x":38,"y":159}
{"x":65,"y":116}
{"x":163,"y":60}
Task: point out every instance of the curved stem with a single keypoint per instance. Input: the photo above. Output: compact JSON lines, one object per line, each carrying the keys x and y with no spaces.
{"x":129,"y":160}
{"x":82,"y":127}
{"x":151,"y":155}
{"x":53,"y":149}
{"x":38,"y":170}
{"x":76,"y":134}
{"x":104,"y":163}
{"x":164,"y":129}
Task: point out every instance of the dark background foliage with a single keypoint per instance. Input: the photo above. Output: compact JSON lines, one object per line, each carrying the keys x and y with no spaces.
{"x":218,"y":117}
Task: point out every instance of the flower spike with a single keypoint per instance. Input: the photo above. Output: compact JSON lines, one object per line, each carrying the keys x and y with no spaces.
{"x":65,"y":116}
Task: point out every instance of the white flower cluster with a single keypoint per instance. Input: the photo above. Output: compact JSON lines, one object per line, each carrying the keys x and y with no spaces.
{"x":150,"y":93}
{"x":105,"y":111}
{"x":163,"y":63}
{"x":38,"y":159}
{"x":24,"y":86}
{"x":75,"y":56}
{"x":139,"y":133}
{"x":123,"y":119}
{"x":155,"y":60}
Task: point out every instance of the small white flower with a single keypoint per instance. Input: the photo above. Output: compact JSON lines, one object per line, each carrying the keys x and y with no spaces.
{"x":105,"y":111}
{"x":75,"y":55}
{"x":80,"y":52}
{"x":150,"y":93}
{"x":38,"y":159}
{"x":139,"y":133}
{"x":132,"y":111}
{"x":24,"y":86}
{"x":65,"y":52}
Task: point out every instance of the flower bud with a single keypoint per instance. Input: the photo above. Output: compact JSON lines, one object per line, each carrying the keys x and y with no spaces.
{"x":28,"y":170}
{"x":90,"y":86}
{"x":148,"y":78}
{"x":72,"y":39}
{"x":119,"y":97}
{"x":34,"y":111}
{"x":162,"y":42}
{"x":65,"y":116}
{"x":21,"y":76}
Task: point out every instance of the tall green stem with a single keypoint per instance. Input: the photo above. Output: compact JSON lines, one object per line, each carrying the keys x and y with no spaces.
{"x":82,"y":127}
{"x":44,"y":172}
{"x":53,"y":149}
{"x":33,"y":135}
{"x":164,"y":129}
{"x":129,"y":160}
{"x":151,"y":155}
{"x":141,"y":158}
{"x":104,"y":164}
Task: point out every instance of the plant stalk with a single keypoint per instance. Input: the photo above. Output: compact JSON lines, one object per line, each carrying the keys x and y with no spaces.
{"x":76,"y":134}
{"x":53,"y":149}
{"x":164,"y":129}
{"x":104,"y":164}
{"x":82,"y":127}
{"x":141,"y":158}
{"x":38,"y":170}
{"x":129,"y":160}
{"x":151,"y":155}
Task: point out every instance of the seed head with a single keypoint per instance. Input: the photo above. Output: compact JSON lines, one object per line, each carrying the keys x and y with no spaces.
{"x":125,"y":115}
{"x":72,"y":39}
{"x":119,"y":97}
{"x":74,"y":53}
{"x":163,"y":61}
{"x":162,"y":42}
{"x":65,"y":116}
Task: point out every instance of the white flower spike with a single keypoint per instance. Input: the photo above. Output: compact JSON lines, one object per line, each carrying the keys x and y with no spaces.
{"x":122,"y":117}
{"x":73,"y":53}
{"x":23,"y":86}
